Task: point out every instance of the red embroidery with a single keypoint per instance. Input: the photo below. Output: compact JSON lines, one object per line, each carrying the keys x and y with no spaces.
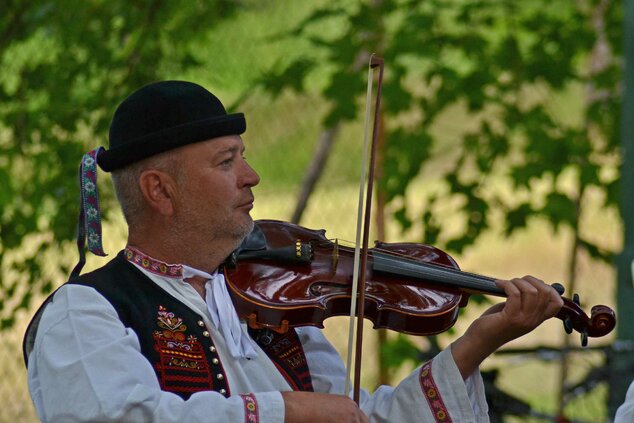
{"x":430,"y":390}
{"x":286,"y":352}
{"x":251,"y":412}
{"x":182,"y":365}
{"x":153,"y":265}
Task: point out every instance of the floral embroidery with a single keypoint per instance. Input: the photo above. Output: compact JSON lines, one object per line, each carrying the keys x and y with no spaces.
{"x":153,"y":265}
{"x":172,"y":326}
{"x":92,"y":213}
{"x":90,"y":219}
{"x":251,"y":412}
{"x":430,"y":390}
{"x":182,"y":365}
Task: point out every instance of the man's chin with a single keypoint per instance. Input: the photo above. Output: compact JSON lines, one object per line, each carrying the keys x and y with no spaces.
{"x":244,"y":231}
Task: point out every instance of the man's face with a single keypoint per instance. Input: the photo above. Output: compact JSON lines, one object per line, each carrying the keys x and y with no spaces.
{"x":214,"y":185}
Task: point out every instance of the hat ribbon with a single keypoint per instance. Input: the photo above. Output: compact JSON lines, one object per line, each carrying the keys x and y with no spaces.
{"x":89,"y":227}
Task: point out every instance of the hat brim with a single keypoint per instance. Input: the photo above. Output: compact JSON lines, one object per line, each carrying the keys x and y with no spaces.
{"x":168,"y":139}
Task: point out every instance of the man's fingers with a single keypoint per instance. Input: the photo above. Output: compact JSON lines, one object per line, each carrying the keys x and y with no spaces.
{"x":531,"y":296}
{"x":552,"y":301}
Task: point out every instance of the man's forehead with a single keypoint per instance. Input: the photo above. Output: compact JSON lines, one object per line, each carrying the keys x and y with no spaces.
{"x":228,"y":143}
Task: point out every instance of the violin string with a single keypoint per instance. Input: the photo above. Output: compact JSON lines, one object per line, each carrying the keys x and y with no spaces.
{"x":435,"y":273}
{"x":448,"y":274}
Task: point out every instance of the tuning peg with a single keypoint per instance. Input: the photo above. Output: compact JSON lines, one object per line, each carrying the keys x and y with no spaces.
{"x":559,"y":288}
{"x":568,"y":322}
{"x":584,"y":338}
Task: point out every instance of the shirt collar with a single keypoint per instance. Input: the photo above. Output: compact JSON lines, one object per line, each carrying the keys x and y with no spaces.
{"x":158,"y":267}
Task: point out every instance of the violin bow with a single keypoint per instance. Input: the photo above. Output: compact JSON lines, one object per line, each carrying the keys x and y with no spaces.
{"x":361,"y":249}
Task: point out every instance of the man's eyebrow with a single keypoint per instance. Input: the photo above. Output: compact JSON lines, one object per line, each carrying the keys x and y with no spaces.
{"x":232,"y":150}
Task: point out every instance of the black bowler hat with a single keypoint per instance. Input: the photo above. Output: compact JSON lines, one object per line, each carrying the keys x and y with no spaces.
{"x":162,"y":116}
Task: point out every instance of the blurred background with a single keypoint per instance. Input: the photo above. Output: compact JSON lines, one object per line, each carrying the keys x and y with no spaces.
{"x":501,"y":141}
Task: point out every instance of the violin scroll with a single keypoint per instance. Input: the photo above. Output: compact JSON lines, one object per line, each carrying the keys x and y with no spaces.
{"x":601,"y":321}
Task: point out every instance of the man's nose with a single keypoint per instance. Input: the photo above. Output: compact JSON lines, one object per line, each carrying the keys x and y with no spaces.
{"x":250,"y":177}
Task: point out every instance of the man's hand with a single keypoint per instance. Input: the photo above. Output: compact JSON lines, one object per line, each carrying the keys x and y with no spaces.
{"x":529,"y":302}
{"x":304,"y":407}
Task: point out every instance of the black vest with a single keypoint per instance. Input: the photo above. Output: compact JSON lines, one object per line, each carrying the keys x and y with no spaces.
{"x":174,"y":338}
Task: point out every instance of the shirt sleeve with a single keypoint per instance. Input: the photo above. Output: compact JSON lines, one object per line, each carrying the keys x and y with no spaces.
{"x":86,"y":366}
{"x":434,"y":392}
{"x":625,"y":413}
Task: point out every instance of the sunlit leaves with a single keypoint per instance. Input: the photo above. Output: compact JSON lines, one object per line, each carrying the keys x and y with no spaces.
{"x":506,"y":63}
{"x":399,"y":350}
{"x":66,"y":64}
{"x":531,"y":90}
{"x":291,"y":77}
{"x":560,"y":209}
{"x":403,"y":157}
{"x":517,"y":217}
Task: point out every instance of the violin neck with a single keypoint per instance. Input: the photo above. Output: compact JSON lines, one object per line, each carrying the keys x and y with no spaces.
{"x":399,"y":266}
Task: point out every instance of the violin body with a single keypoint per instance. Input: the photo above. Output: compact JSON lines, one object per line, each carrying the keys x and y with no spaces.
{"x":306,"y":293}
{"x":297,"y":277}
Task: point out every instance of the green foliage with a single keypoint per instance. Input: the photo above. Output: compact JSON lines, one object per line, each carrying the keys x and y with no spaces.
{"x":66,"y":65}
{"x":397,"y":351}
{"x":502,"y":65}
{"x":505,"y":63}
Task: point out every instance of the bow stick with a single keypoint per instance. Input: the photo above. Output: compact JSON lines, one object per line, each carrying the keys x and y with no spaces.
{"x":361,"y":250}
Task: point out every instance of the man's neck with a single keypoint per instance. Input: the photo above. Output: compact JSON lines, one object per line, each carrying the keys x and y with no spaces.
{"x":198,"y":283}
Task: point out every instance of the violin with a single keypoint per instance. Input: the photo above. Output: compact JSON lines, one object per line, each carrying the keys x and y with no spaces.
{"x":285,"y":275}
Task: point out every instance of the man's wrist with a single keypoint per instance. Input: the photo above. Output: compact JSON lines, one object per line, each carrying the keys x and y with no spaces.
{"x":471,"y":349}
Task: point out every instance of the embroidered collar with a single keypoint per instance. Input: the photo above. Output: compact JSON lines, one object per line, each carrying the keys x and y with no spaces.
{"x":152,"y":265}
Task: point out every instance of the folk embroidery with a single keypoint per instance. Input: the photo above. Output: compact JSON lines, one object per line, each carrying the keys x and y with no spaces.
{"x":182,"y":365}
{"x":89,"y":217}
{"x":430,"y":390}
{"x":251,"y":412}
{"x":153,"y":265}
{"x":286,"y":352}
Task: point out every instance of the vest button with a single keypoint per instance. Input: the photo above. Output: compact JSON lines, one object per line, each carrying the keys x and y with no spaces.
{"x":201,"y":323}
{"x":223,"y":391}
{"x":206,"y":334}
{"x":219,"y":376}
{"x":215,"y":361}
{"x":212,"y":349}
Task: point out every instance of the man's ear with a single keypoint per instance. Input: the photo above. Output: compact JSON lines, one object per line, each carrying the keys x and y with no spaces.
{"x":159,"y":191}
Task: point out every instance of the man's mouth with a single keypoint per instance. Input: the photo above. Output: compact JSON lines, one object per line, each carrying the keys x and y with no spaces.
{"x":247,"y":204}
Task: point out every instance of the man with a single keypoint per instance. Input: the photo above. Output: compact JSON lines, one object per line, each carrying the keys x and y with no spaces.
{"x":153,"y":335}
{"x":625,"y":412}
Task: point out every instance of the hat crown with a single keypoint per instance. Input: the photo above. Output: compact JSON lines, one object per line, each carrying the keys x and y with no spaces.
{"x":159,"y":106}
{"x":163,"y":116}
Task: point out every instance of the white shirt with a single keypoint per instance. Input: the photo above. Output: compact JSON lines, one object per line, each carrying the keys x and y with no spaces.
{"x":625,"y":413}
{"x":86,"y":366}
